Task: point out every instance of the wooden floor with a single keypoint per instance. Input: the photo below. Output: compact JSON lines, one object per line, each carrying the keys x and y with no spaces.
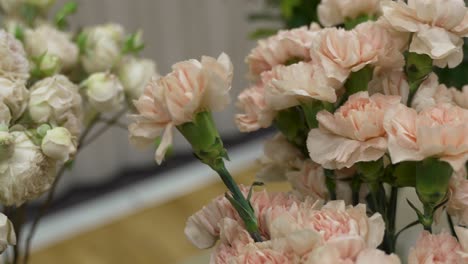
{"x":154,"y":235}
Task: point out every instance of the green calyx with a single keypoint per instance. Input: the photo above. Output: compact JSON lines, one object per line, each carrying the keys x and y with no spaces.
{"x":371,"y":171}
{"x":418,"y":67}
{"x":206,"y":143}
{"x":432,"y":181}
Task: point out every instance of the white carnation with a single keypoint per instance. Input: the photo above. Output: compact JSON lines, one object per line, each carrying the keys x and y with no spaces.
{"x":14,"y":95}
{"x":135,"y":73}
{"x":104,"y":92}
{"x":7,"y":233}
{"x":14,"y":64}
{"x":56,"y":100}
{"x":26,"y":174}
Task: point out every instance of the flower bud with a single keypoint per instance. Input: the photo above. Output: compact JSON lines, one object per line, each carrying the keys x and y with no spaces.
{"x":104,"y":92}
{"x":7,"y":233}
{"x":26,"y":174}
{"x":57,"y":44}
{"x":14,"y":64}
{"x":48,"y":65}
{"x":134,"y":74}
{"x":6,"y":145}
{"x":58,"y":144}
{"x":102,"y":47}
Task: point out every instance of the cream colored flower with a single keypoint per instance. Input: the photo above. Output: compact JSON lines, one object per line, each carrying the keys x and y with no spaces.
{"x":431,"y":93}
{"x":15,"y":96}
{"x":390,"y":83}
{"x":135,"y":73}
{"x":354,"y":133}
{"x":56,"y":100}
{"x":335,"y":12}
{"x":438,"y":27}
{"x":192,"y":86}
{"x":58,"y":144}
{"x":256,"y":113}
{"x":440,"y":131}
{"x":460,"y":97}
{"x":104,"y":92}
{"x":103,"y":47}
{"x":14,"y":64}
{"x":283,"y":48}
{"x":7,"y":233}
{"x":298,"y":83}
{"x":26,"y":174}
{"x":47,"y":39}
{"x":462,"y":234}
{"x":441,"y":248}
{"x":309,"y":180}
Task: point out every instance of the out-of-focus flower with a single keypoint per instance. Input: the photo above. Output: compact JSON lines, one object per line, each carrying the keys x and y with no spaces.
{"x":280,"y":156}
{"x":192,"y":87}
{"x":460,"y":97}
{"x":104,"y":92}
{"x":431,"y":93}
{"x":439,"y":131}
{"x":58,"y":144}
{"x":309,"y":180}
{"x":335,"y":12}
{"x":441,"y":248}
{"x":10,"y":6}
{"x":15,"y":96}
{"x":462,"y":234}
{"x":354,"y":133}
{"x":14,"y":64}
{"x":281,"y":49}
{"x":7,"y":233}
{"x":256,"y":113}
{"x":7,"y":145}
{"x":390,"y":83}
{"x":135,"y":73}
{"x":288,"y":86}
{"x":46,"y":39}
{"x":26,"y":174}
{"x":438,"y":27}
{"x":55,"y":100}
{"x":102,"y":49}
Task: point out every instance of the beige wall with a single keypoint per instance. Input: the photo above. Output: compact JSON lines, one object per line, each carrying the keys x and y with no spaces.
{"x":174,"y":30}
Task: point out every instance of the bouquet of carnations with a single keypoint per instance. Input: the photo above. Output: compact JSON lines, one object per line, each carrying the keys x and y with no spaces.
{"x":56,"y":85}
{"x":360,"y":115}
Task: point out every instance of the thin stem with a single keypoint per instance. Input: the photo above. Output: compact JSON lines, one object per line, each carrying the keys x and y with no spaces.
{"x":109,"y":123}
{"x":50,"y":195}
{"x":391,"y":219}
{"x":356,"y":189}
{"x":452,"y":228}
{"x":405,"y":228}
{"x":116,"y":124}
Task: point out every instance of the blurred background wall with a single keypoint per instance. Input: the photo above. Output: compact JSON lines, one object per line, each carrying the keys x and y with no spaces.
{"x":174,"y":30}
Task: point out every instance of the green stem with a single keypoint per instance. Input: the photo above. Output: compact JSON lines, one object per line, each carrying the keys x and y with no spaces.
{"x":391,"y":219}
{"x":406,"y":228}
{"x":330,"y":182}
{"x":451,"y":225}
{"x":356,"y":184}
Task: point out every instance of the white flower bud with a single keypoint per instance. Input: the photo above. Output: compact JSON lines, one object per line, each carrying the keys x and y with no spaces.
{"x":26,"y":174}
{"x":135,"y":73}
{"x":15,"y":96}
{"x":104,"y":92}
{"x":46,"y":39}
{"x":58,"y":144}
{"x":49,"y":64}
{"x":7,"y":233}
{"x":14,"y":64}
{"x":55,"y":100}
{"x":102,"y":47}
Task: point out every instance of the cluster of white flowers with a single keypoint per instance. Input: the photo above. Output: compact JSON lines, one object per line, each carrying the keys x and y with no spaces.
{"x":52,"y":82}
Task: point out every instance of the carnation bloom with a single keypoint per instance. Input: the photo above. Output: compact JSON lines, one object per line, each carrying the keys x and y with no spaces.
{"x":441,"y":248}
{"x":26,"y":173}
{"x":7,"y":233}
{"x":288,"y":86}
{"x":458,"y":197}
{"x":46,"y":39}
{"x":280,"y":49}
{"x":460,"y":97}
{"x":135,"y":73}
{"x":390,"y":83}
{"x":104,"y":92}
{"x":14,"y":64}
{"x":58,"y":144}
{"x":256,"y":113}
{"x":438,"y":27}
{"x":192,"y":87}
{"x":354,"y":133}
{"x":15,"y":96}
{"x":430,"y":93}
{"x":436,"y":131}
{"x":103,"y":47}
{"x":462,"y":234}
{"x":309,"y":180}
{"x":56,"y":100}
{"x":335,"y":12}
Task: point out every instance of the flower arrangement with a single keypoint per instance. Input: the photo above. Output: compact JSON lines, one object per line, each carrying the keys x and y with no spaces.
{"x":56,"y":86}
{"x":360,"y":114}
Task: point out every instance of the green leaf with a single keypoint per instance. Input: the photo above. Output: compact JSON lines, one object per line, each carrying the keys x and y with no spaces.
{"x":81,"y":42}
{"x":287,"y":7}
{"x":62,"y":15}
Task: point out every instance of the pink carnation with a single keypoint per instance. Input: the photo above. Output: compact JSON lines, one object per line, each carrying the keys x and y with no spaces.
{"x":256,"y":113}
{"x":430,"y":93}
{"x":435,"y":249}
{"x":460,"y":97}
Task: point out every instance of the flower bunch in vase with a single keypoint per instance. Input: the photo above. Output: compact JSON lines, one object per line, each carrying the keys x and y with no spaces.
{"x":360,"y":114}
{"x":56,"y":85}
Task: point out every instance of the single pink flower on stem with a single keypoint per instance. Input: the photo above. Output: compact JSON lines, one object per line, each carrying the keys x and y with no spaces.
{"x":435,"y":249}
{"x":354,"y":133}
